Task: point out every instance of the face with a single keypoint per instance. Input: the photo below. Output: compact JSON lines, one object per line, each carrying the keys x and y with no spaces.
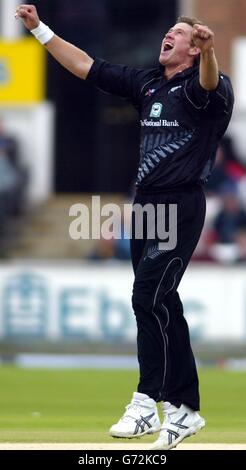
{"x":177,"y":46}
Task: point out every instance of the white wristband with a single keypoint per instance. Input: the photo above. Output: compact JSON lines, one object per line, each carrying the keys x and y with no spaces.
{"x":43,"y":33}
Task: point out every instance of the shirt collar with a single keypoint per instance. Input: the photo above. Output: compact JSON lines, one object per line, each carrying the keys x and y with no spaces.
{"x":185,"y":74}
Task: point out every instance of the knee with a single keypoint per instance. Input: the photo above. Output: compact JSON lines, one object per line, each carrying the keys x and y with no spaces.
{"x":141,"y":299}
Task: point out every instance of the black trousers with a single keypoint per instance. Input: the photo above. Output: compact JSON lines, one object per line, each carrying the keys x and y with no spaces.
{"x":167,"y":366}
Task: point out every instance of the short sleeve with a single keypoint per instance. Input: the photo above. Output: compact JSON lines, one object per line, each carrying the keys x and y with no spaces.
{"x":217,"y":101}
{"x":116,"y":79}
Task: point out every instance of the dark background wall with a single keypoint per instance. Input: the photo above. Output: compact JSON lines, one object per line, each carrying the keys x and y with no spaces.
{"x":97,"y":134}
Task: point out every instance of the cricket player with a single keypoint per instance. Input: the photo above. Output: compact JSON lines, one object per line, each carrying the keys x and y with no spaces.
{"x":185,"y":105}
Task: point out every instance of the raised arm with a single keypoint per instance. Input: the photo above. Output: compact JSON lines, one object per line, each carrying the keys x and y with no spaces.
{"x":72,"y":58}
{"x":203,"y":38}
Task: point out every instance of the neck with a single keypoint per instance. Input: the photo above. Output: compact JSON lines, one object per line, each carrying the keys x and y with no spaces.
{"x":170,"y":71}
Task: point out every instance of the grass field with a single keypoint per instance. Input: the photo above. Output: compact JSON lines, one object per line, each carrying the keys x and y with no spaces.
{"x":80,"y":405}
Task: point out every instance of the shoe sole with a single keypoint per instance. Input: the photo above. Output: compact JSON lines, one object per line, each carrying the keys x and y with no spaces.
{"x":119,"y":435}
{"x":192,"y":430}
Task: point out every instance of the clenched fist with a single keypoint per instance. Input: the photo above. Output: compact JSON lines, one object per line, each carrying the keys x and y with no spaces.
{"x":29,"y":16}
{"x":202,"y":37}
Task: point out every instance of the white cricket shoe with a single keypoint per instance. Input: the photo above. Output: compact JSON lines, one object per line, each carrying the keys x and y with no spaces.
{"x":178,"y":424}
{"x":141,"y":417}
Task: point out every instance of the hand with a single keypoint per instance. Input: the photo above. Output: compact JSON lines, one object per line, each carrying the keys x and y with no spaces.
{"x":29,"y":16}
{"x":202,"y":37}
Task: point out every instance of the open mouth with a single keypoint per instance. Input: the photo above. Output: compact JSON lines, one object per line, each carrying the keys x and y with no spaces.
{"x":168,"y":46}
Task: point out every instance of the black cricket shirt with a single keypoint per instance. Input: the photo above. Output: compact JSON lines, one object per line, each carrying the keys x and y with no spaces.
{"x":181,"y":123}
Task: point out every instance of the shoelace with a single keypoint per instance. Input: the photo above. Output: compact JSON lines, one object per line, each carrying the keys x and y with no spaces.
{"x":134,"y":407}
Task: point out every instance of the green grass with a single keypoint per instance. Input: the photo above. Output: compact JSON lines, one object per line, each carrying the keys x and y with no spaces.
{"x":80,"y":405}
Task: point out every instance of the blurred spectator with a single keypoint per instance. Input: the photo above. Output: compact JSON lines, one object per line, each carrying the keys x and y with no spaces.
{"x":122,"y":245}
{"x":228,"y":169}
{"x":13,"y":183}
{"x":122,"y":249}
{"x":13,"y":176}
{"x":230,"y":219}
{"x":234,"y":167}
{"x":226,"y":207}
{"x":219,"y":176}
{"x":241,"y":245}
{"x":116,"y":248}
{"x":242,"y":191}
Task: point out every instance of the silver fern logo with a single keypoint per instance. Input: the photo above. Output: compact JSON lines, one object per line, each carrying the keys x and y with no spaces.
{"x":174,"y":89}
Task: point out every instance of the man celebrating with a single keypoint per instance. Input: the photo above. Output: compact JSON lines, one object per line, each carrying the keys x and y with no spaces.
{"x":185,"y":106}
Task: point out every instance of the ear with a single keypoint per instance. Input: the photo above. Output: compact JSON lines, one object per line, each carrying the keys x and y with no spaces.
{"x":194,"y":51}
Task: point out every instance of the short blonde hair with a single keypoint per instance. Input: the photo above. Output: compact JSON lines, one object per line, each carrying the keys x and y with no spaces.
{"x":189,"y":20}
